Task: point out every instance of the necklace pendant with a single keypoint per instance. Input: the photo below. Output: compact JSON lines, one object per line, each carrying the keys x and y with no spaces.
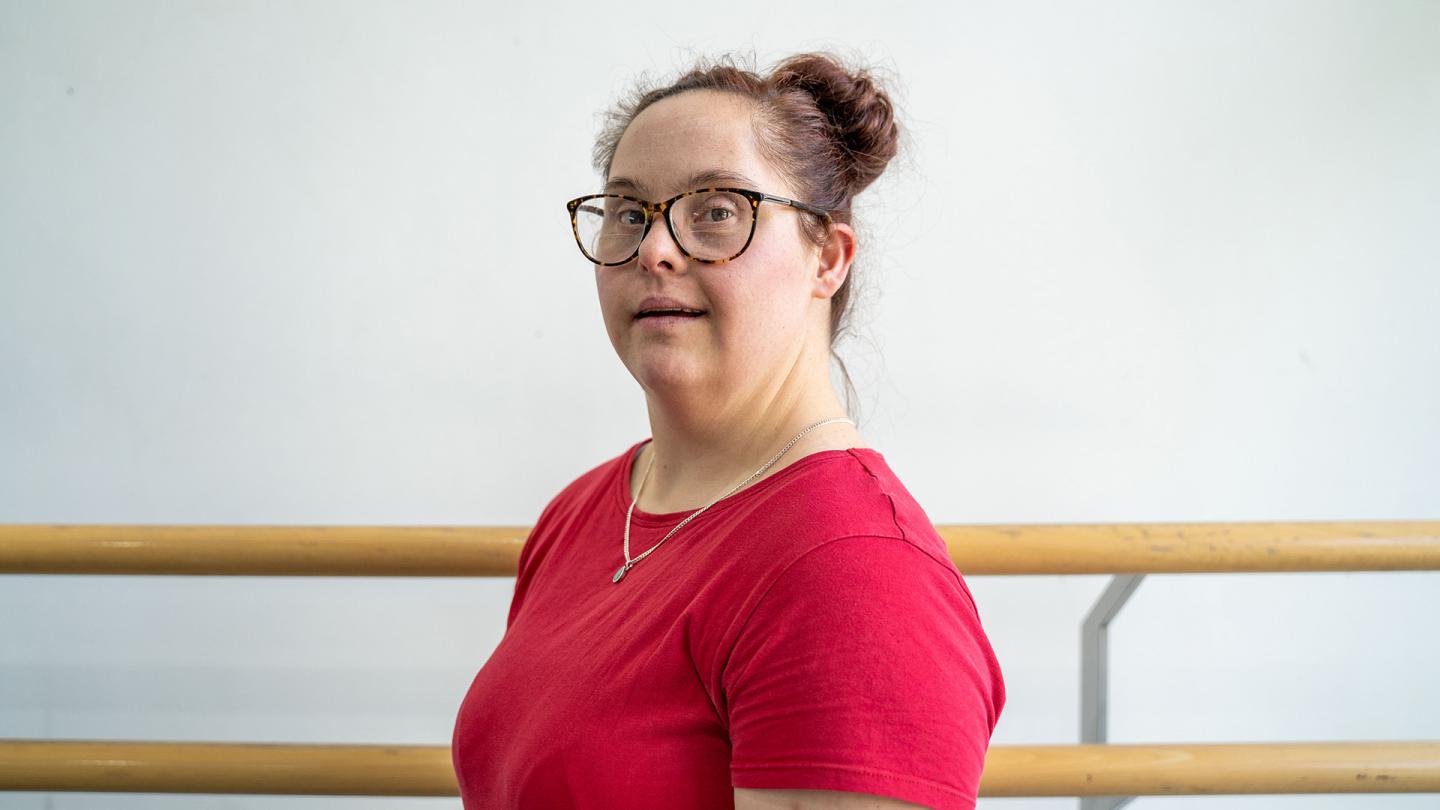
{"x":620,"y":573}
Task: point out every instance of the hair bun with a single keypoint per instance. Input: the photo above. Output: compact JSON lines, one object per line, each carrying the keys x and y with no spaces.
{"x":859,"y":112}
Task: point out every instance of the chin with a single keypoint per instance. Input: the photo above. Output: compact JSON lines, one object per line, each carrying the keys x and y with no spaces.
{"x":664,"y":369}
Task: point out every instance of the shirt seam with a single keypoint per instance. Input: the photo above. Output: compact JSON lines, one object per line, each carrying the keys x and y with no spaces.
{"x":948,"y":564}
{"x":894,"y":510}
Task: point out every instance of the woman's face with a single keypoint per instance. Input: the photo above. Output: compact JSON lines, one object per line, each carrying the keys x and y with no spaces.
{"x":759,"y":308}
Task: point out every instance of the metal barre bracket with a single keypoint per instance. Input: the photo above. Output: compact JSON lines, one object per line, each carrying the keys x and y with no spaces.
{"x":1094,"y":667}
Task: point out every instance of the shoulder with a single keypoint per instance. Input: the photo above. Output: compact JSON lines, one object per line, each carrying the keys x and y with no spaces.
{"x":850,"y":495}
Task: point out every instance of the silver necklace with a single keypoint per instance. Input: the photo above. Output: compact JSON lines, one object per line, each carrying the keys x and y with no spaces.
{"x":629,"y":563}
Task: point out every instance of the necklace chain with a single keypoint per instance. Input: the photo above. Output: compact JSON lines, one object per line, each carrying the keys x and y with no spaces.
{"x":630,"y":563}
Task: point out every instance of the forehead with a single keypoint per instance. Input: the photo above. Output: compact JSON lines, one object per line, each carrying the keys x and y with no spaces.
{"x":694,"y":139}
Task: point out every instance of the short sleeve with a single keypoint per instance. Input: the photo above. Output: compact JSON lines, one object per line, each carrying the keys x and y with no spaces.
{"x":864,"y":667}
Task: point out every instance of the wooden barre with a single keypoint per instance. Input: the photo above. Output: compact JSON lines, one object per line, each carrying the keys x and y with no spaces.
{"x":1017,"y":770}
{"x":466,"y":551}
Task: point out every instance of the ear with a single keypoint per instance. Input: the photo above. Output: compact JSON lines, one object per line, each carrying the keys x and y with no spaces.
{"x":834,"y":261}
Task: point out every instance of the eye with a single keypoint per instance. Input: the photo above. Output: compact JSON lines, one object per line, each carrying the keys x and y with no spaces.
{"x":629,"y":214}
{"x":716,"y":209}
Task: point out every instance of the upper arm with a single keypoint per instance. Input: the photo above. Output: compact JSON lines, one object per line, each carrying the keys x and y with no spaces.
{"x":862,"y":670}
{"x":751,"y":799}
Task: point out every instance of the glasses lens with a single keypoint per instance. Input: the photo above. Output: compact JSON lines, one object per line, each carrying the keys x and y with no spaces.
{"x":713,"y":224}
{"x":609,"y":228}
{"x":710,"y":225}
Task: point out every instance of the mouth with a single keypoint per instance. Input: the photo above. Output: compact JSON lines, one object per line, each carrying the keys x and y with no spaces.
{"x":667,"y":317}
{"x":670,"y":314}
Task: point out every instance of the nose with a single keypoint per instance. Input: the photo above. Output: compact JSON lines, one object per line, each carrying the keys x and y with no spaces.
{"x":658,"y":249}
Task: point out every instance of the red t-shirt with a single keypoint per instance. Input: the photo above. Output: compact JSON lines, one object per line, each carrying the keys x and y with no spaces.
{"x":809,"y":631}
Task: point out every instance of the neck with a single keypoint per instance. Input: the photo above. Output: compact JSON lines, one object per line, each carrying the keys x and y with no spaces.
{"x":702,"y":449}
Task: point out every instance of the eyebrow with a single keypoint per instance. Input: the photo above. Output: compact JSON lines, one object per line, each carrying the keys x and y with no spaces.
{"x":697,"y":179}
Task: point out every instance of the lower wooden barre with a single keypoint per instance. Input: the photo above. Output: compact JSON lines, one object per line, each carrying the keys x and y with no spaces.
{"x":426,"y":770}
{"x":1159,"y":769}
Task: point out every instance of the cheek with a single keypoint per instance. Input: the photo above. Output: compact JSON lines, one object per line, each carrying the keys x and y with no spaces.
{"x":612,"y":309}
{"x":611,"y":294}
{"x":773,"y":296}
{"x":748,"y":329}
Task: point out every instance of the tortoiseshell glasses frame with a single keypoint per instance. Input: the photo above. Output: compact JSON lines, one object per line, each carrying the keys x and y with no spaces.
{"x":651,"y":209}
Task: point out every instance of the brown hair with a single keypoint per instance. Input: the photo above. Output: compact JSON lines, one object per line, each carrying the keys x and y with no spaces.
{"x":827,"y":129}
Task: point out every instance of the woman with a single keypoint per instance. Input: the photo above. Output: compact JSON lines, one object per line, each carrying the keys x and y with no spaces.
{"x":689,"y":631}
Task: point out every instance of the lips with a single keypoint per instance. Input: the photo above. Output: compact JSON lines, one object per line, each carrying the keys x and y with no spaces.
{"x":668,"y":313}
{"x":659,"y":305}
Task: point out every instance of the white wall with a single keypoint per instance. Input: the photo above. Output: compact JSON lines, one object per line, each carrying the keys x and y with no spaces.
{"x":308,"y":263}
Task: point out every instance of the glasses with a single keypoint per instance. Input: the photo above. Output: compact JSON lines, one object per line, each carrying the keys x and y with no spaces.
{"x":710,"y":225}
